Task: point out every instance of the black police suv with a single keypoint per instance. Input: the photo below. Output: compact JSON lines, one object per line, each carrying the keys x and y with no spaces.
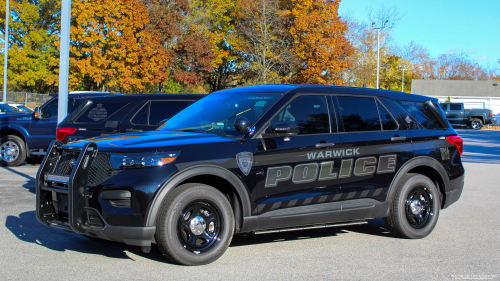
{"x":254,"y":159}
{"x":102,"y":116}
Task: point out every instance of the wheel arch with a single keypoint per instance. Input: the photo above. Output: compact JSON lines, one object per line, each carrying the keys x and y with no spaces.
{"x":426,"y":166}
{"x":478,"y":117}
{"x":215,"y":176}
{"x":18,"y":132}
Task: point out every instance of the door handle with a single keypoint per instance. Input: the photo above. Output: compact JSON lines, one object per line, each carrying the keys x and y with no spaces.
{"x":398,"y":138}
{"x":133,"y":130}
{"x":324,"y":144}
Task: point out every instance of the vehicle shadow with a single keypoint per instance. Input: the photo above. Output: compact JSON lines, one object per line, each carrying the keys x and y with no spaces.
{"x":374,"y":227}
{"x":30,"y":184}
{"x":27,"y":228}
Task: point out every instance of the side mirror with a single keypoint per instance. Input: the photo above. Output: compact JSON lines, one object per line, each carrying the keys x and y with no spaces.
{"x":36,"y":113}
{"x":282,"y":129}
{"x":162,"y":123}
{"x":241,"y":124}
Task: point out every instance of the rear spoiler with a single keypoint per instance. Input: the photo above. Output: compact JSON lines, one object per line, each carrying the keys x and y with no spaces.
{"x":438,"y":113}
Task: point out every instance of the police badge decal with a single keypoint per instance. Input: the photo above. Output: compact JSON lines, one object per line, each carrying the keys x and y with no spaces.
{"x":244,"y":160}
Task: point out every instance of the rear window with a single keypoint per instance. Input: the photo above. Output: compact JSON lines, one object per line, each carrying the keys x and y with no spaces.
{"x":422,"y":113}
{"x":98,"y":111}
{"x":455,"y":107}
{"x":359,"y":114}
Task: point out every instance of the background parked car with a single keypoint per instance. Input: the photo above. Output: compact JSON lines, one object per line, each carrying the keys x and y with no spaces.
{"x":108,"y":115}
{"x":29,"y":135}
{"x":5,"y":109}
{"x":20,"y":107}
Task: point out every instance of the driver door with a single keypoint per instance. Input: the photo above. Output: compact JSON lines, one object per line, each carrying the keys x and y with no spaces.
{"x":299,"y":170}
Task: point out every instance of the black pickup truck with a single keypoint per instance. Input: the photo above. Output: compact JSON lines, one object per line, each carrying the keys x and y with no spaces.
{"x":475,"y":118}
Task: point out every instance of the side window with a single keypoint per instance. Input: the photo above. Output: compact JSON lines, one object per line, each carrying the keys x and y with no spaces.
{"x":422,"y":113}
{"x":388,"y":122}
{"x":359,"y":114}
{"x":161,"y":110}
{"x":310,"y":113}
{"x":141,"y":117}
{"x":454,"y":106}
{"x":100,"y":111}
{"x":50,"y":110}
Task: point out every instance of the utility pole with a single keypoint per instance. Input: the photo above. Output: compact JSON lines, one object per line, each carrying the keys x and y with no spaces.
{"x":7,"y":12}
{"x":378,"y":46}
{"x":62,"y":109}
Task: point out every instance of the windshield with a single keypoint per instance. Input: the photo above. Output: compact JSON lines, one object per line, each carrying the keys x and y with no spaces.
{"x":6,"y":108}
{"x":216,"y":113}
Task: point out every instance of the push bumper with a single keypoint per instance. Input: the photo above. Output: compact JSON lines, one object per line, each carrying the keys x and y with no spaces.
{"x":63,"y":200}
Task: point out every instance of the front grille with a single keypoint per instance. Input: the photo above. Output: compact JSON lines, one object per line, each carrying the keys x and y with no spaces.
{"x":65,"y":165}
{"x":100,"y":170}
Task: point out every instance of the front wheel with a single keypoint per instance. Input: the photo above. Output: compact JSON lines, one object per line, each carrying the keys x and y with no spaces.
{"x":476,"y":124}
{"x":415,"y":208}
{"x":12,"y":151}
{"x":195,"y":225}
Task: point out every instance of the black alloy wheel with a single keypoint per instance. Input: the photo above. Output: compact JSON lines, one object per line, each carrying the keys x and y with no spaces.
{"x":199,"y":226}
{"x":415,"y":207}
{"x":419,"y":207}
{"x":195,"y":224}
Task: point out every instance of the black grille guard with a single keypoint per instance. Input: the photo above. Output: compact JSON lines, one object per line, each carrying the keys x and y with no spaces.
{"x":50,"y":184}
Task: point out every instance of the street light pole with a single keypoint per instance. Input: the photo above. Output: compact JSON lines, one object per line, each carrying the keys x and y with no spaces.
{"x":403,"y":67}
{"x":6,"y":52}
{"x":378,"y":47}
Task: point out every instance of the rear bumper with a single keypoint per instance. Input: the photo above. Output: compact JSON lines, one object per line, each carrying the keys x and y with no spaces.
{"x":453,"y":195}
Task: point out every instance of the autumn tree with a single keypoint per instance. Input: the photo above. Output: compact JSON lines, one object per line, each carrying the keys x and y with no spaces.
{"x":264,"y":40}
{"x":112,"y":47}
{"x":180,"y":31}
{"x":219,"y":17}
{"x":319,"y":43}
{"x":33,"y":56}
{"x":458,"y":67}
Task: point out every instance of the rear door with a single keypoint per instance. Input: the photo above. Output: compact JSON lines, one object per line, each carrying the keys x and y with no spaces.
{"x":374,"y":147}
{"x":147,"y":117}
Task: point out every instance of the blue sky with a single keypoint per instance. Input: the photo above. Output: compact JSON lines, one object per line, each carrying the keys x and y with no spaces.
{"x":442,"y":26}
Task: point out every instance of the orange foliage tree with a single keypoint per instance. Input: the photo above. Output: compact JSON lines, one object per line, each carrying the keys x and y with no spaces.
{"x":318,"y":41}
{"x":112,"y":48}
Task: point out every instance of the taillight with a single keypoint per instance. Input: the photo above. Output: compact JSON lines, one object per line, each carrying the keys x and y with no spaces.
{"x":491,"y":114}
{"x":61,"y":132}
{"x":458,"y":142}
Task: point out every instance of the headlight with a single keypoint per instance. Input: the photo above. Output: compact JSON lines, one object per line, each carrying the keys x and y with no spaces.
{"x":142,"y":160}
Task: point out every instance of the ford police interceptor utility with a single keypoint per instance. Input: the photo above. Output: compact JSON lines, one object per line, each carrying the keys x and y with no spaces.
{"x":257,"y":159}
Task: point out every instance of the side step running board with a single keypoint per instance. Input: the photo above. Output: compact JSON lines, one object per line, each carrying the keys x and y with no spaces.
{"x":310,"y":227}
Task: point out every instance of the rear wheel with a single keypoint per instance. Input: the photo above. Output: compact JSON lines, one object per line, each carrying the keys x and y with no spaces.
{"x":12,"y":151}
{"x":195,"y":225}
{"x":415,"y":208}
{"x":476,"y":124}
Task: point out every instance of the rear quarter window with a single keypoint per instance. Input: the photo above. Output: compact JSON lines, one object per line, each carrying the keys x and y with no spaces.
{"x":100,"y":111}
{"x":422,"y":113}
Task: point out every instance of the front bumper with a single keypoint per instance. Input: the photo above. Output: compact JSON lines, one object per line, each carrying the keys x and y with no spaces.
{"x":63,"y":200}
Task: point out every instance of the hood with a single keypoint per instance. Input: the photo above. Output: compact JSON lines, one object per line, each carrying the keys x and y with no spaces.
{"x":148,"y":141}
{"x":14,"y":115}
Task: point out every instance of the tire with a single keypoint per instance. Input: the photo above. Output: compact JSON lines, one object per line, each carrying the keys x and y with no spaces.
{"x":476,"y":124}
{"x":408,"y":218}
{"x":12,"y":151}
{"x":179,"y":234}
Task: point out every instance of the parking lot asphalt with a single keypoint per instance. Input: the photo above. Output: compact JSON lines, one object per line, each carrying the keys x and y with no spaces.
{"x":465,"y":245}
